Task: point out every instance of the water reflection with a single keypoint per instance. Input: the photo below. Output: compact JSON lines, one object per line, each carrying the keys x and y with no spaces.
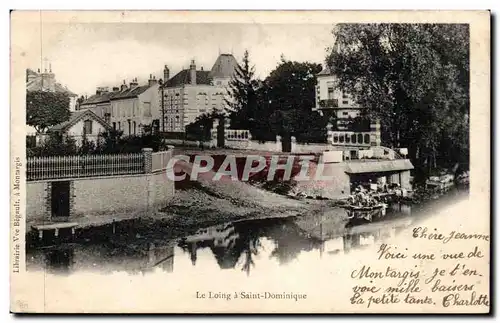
{"x":243,"y":246}
{"x":233,"y":246}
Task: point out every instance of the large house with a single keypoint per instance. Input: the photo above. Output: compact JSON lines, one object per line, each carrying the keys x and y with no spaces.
{"x":347,"y":130}
{"x":193,"y":92}
{"x":46,"y":81}
{"x":127,"y":108}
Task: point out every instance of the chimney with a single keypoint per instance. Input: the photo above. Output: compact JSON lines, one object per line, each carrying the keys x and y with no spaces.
{"x":192,"y":72}
{"x":124,"y":86}
{"x":31,"y":75}
{"x":134,"y":83}
{"x":152,"y":80}
{"x":48,"y":81}
{"x":101,"y":90}
{"x":166,"y":73}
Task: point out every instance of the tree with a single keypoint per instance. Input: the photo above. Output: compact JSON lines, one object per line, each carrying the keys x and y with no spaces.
{"x":46,"y":109}
{"x":201,"y":128}
{"x":242,"y":101}
{"x":290,"y":95}
{"x":414,"y":78}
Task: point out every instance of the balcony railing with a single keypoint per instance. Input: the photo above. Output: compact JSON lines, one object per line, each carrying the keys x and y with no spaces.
{"x":331,"y":103}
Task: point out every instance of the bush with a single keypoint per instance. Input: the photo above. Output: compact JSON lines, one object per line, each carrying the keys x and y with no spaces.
{"x":54,"y":145}
{"x":110,"y":142}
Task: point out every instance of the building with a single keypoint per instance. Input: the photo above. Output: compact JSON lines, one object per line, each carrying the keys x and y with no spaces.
{"x":347,"y":129}
{"x":84,"y":123}
{"x":332,"y":101}
{"x":46,"y":81}
{"x":127,"y":108}
{"x":192,"y":92}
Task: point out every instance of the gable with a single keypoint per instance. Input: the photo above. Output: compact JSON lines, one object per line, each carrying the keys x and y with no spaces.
{"x":78,"y":116}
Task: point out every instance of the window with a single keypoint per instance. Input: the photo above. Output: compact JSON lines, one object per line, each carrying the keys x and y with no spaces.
{"x":345,"y":102}
{"x":353,"y":138}
{"x":347,"y":139}
{"x":367,"y":138}
{"x":345,"y":96}
{"x":147,"y":109}
{"x":345,"y":113}
{"x":114,"y":125}
{"x":360,"y":138}
{"x":134,"y":127}
{"x":341,"y":139}
{"x":330,"y":93}
{"x":87,"y":127}
{"x":335,"y":138}
{"x":129,"y":127}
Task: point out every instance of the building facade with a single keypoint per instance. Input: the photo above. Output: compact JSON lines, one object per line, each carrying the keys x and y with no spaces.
{"x":128,"y":108}
{"x":82,"y":124}
{"x":192,"y":92}
{"x":347,"y":129}
{"x":46,"y":81}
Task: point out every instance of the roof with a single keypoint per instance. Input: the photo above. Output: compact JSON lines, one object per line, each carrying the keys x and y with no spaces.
{"x":378,"y":166}
{"x":97,"y":98}
{"x":224,"y":66}
{"x":184,"y":77}
{"x":129,"y":93}
{"x":77,"y":116}
{"x":36,"y":84}
{"x":325,"y":71}
{"x":107,"y":96}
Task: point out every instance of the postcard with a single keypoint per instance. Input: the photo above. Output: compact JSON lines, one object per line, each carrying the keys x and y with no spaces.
{"x":250,"y":162}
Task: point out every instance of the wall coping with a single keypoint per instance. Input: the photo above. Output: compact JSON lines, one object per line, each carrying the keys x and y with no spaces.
{"x":69,"y":179}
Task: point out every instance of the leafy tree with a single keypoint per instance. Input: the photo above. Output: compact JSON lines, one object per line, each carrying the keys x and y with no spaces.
{"x":242,"y":101}
{"x":46,"y":109}
{"x":292,"y":86}
{"x":201,"y":128}
{"x":415,"y":79}
{"x":290,"y":95}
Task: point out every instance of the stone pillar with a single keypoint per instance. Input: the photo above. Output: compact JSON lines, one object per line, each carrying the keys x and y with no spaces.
{"x":375,"y":133}
{"x":48,"y":202}
{"x":278,"y":143}
{"x":148,"y":160}
{"x":72,"y":196}
{"x":294,"y":144}
{"x":329,"y":133}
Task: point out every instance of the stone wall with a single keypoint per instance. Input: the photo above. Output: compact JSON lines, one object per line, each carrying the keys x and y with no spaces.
{"x":111,"y":194}
{"x":36,"y":200}
{"x":337,"y":186}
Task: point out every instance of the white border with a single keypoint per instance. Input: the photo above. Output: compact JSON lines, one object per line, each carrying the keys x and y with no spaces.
{"x":254,"y":4}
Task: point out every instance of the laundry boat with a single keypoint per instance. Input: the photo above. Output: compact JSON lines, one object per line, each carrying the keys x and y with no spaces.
{"x":367,"y":213}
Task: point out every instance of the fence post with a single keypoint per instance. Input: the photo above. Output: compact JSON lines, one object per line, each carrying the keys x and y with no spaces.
{"x":294,"y":144}
{"x":148,"y":160}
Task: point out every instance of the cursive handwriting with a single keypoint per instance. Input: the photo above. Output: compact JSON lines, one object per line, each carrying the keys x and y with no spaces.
{"x":423,"y":233}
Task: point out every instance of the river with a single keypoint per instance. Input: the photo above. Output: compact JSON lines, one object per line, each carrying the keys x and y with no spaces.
{"x":246,"y":246}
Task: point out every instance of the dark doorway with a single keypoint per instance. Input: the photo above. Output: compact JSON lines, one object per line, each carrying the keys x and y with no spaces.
{"x":221,"y":133}
{"x":286,"y":143}
{"x":60,"y":200}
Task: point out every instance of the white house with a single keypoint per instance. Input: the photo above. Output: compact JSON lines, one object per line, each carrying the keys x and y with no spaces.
{"x":127,"y":108}
{"x":83,"y":123}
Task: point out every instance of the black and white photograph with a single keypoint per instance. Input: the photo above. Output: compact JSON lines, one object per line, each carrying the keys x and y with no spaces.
{"x":314,"y":162}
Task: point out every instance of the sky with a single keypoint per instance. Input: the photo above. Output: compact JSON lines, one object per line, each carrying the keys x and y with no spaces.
{"x":86,"y":55}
